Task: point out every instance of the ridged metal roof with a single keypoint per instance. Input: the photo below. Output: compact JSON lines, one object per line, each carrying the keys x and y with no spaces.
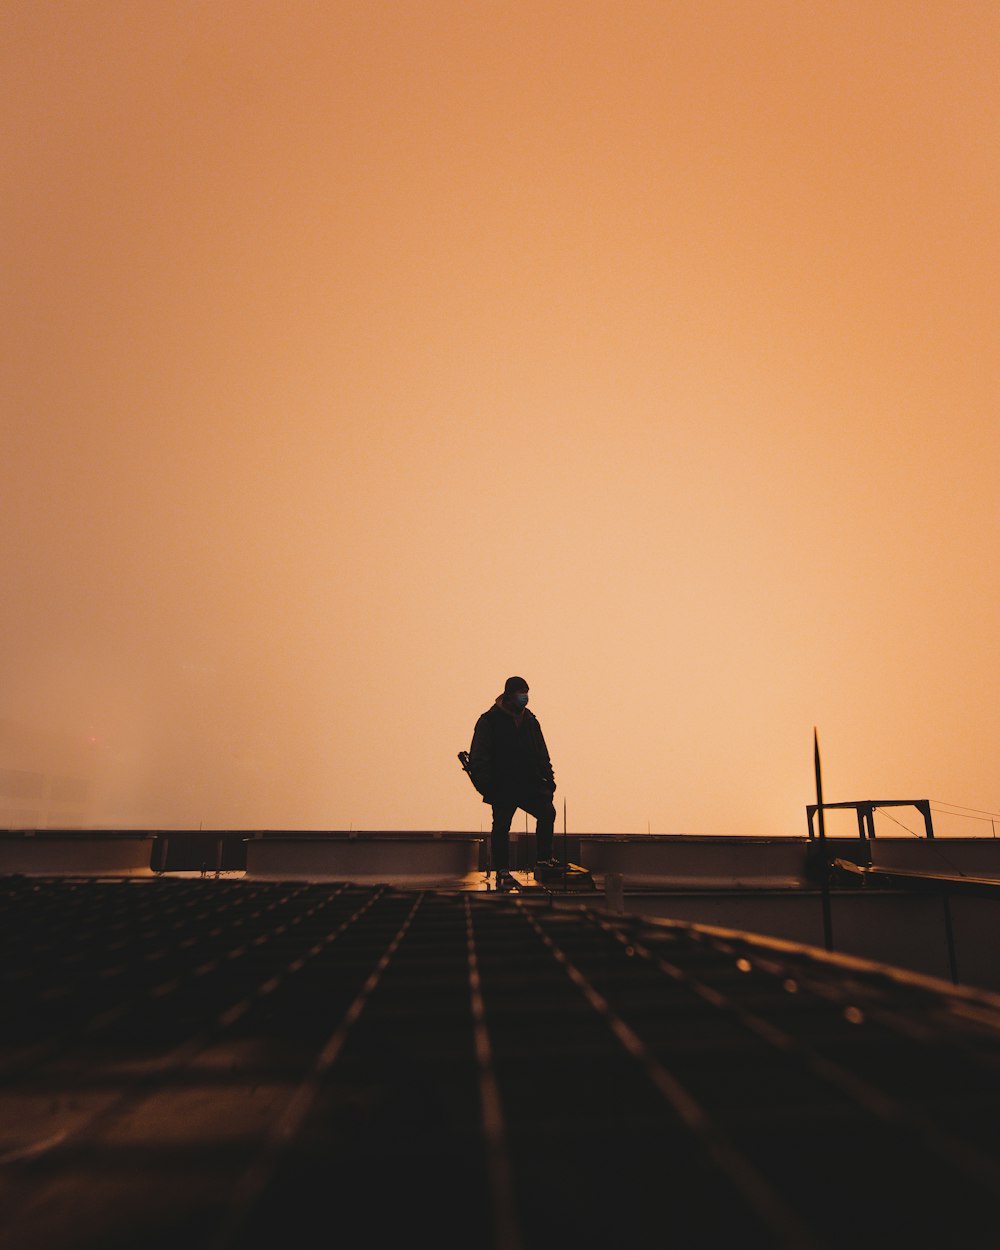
{"x":225,"y":1064}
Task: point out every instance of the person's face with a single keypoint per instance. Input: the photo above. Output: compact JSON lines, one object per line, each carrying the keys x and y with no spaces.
{"x":518,"y":699}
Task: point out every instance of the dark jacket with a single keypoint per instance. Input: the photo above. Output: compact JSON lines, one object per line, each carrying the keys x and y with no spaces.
{"x":508,"y":755}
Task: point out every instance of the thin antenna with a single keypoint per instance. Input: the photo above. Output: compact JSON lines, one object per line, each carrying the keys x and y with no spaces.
{"x":565,"y":852}
{"x":824,"y":866}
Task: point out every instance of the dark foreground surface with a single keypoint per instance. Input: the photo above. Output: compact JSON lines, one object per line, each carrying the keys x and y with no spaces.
{"x":224,"y":1063}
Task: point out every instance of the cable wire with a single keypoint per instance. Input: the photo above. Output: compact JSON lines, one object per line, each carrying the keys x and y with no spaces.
{"x":980,"y":810}
{"x":931,"y":843}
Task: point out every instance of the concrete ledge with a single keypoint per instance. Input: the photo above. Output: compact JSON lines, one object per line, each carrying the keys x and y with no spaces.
{"x":420,"y":860}
{"x":776,"y":863}
{"x":964,"y":856}
{"x":77,"y":854}
{"x":699,"y":863}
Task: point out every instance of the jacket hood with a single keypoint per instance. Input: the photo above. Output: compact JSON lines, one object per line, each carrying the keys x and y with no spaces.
{"x":516,"y":717}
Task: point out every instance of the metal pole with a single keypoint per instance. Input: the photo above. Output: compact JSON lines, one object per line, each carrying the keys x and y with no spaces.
{"x":824,"y":866}
{"x":565,"y":853}
{"x":949,"y":935}
{"x":928,"y":821}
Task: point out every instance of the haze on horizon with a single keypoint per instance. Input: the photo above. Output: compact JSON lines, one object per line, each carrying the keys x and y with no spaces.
{"x":358,"y":355}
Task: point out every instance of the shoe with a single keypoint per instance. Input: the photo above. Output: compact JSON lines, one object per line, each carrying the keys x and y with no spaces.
{"x":549,"y":863}
{"x":505,"y":881}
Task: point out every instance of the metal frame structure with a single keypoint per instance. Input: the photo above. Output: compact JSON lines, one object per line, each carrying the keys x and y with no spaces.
{"x":865,"y":809}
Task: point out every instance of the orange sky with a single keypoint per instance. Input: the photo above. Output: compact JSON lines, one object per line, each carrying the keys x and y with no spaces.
{"x":358,"y":355}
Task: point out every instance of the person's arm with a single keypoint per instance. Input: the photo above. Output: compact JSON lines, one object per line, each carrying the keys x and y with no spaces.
{"x":481,"y":758}
{"x":544,"y":760}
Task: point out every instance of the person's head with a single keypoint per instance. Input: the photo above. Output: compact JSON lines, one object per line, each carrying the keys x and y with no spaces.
{"x":515,"y":693}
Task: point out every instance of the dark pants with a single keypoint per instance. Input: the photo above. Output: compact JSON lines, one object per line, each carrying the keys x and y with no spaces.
{"x":537,"y":803}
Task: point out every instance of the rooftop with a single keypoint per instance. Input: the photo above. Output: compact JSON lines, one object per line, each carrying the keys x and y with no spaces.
{"x":223,"y":1062}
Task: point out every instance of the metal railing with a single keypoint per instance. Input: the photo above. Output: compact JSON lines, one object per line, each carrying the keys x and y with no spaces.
{"x":865,"y":810}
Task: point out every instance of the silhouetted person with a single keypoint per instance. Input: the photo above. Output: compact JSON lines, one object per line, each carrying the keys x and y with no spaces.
{"x":510,"y":767}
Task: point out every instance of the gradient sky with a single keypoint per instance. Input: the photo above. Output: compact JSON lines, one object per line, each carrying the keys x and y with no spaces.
{"x":357,"y":355}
